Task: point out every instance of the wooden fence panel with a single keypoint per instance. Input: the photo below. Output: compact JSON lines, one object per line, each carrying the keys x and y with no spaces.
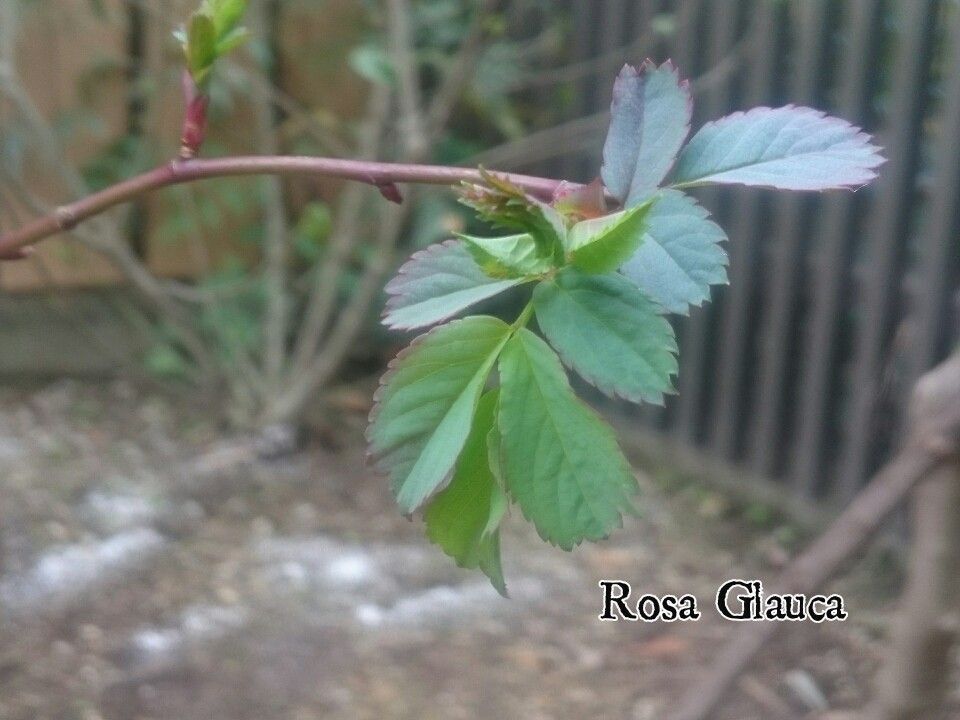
{"x":735,"y":321}
{"x":783,"y":376}
{"x":722,"y":36}
{"x":886,"y":237}
{"x":831,"y":268}
{"x":785,"y":243}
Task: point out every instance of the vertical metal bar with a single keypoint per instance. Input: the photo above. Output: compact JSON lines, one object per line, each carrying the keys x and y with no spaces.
{"x":890,"y":221}
{"x":831,"y":271}
{"x":696,"y":328}
{"x":735,"y":315}
{"x":939,"y":242}
{"x":786,"y":243}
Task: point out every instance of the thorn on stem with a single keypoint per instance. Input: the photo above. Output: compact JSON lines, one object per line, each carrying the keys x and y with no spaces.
{"x":391,"y":192}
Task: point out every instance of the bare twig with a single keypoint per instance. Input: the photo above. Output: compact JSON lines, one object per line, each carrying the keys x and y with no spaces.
{"x":607,"y":62}
{"x":298,"y":119}
{"x":274,"y":323}
{"x":349,"y":322}
{"x":104,"y":236}
{"x":311,"y":369}
{"x":462,"y":69}
{"x":378,"y":174}
{"x":323,"y":296}
{"x":914,"y":682}
{"x":934,"y":439}
{"x":405,"y":62}
{"x":585,"y":132}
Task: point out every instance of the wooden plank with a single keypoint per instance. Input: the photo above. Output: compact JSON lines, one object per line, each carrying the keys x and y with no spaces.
{"x":938,"y":243}
{"x":785,"y":273}
{"x":584,"y":17}
{"x":890,"y":218}
{"x":694,"y":346}
{"x":612,"y":36}
{"x":743,"y":248}
{"x":831,"y":269}
{"x":644,"y":13}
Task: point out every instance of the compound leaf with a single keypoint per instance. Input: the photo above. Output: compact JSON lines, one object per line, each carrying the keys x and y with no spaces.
{"x":561,"y":462}
{"x":604,"y":244}
{"x":507,"y":257}
{"x":464,"y":519}
{"x":504,"y":204}
{"x":437,"y":283}
{"x":604,"y":328}
{"x":790,"y":148}
{"x":650,"y":119}
{"x":680,"y":256}
{"x":426,"y":402}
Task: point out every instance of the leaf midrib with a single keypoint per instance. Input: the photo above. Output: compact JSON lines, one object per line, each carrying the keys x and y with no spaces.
{"x":556,"y":429}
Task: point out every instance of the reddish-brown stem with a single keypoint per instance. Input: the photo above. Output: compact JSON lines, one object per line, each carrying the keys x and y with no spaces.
{"x":378,"y":174}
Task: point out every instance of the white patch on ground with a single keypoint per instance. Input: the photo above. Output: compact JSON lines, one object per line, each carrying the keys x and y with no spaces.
{"x":334,"y":571}
{"x":439,"y":605}
{"x":156,"y":649}
{"x":400,"y":585}
{"x":353,"y":568}
{"x":11,"y":449}
{"x":222,"y":458}
{"x":65,"y":574}
{"x":114,"y":512}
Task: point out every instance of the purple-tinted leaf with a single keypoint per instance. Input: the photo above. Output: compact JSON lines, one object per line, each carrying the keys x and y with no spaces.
{"x":650,"y":120}
{"x":790,"y":148}
{"x":437,"y":283}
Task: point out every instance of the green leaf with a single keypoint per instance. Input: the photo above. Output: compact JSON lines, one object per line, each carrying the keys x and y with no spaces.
{"x":372,"y":63}
{"x":201,"y":46}
{"x":426,"y":402}
{"x":504,"y":204}
{"x":226,"y":14}
{"x":604,"y":328}
{"x":507,"y":257}
{"x":561,"y":462}
{"x":650,"y":119}
{"x":680,"y":256}
{"x":312,"y":230}
{"x":464,"y":519}
{"x":603,"y":244}
{"x":495,"y":453}
{"x":790,"y":148}
{"x":232,"y":40}
{"x":435,"y":284}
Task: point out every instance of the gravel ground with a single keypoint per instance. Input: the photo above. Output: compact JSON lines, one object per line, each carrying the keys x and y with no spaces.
{"x":156,"y":568}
